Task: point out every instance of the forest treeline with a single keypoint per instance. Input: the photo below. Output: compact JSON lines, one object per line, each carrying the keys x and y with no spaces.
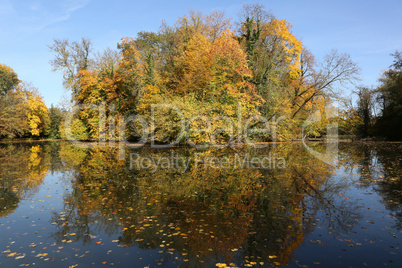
{"x":23,"y":112}
{"x":207,"y":67}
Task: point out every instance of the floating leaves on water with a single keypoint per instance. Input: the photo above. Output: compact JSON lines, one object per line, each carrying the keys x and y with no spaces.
{"x":13,"y":254}
{"x":202,"y":215}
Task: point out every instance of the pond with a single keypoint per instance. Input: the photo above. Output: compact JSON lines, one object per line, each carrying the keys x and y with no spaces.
{"x":63,"y":205}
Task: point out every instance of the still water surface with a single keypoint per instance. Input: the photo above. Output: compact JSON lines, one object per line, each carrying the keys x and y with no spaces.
{"x":63,"y":206}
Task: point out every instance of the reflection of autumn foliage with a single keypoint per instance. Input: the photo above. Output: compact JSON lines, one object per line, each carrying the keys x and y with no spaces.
{"x":37,"y":168}
{"x":213,"y":213}
{"x":22,"y":169}
{"x":205,"y":215}
{"x":71,"y":155}
{"x":8,"y":202}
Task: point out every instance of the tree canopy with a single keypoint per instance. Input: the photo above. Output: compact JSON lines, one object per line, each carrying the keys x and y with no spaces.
{"x":206,"y":66}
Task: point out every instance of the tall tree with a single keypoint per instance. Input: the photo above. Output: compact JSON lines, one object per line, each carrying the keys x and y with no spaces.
{"x":365,"y":105}
{"x":55,"y":116}
{"x":71,"y":58}
{"x":335,"y":72}
{"x":273,"y":55}
{"x":8,"y":79}
{"x":13,"y":121}
{"x":390,"y":100}
{"x":35,"y":109}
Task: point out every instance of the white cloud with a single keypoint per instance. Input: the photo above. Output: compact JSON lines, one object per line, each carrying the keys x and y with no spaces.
{"x":73,"y":5}
{"x":24,"y":18}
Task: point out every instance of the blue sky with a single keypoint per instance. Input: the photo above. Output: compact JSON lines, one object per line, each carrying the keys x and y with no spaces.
{"x":368,"y":30}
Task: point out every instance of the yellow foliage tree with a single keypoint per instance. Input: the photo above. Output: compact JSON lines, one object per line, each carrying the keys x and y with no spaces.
{"x":35,"y":109}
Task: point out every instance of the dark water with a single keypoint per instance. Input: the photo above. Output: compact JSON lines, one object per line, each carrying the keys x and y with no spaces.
{"x":63,"y":206}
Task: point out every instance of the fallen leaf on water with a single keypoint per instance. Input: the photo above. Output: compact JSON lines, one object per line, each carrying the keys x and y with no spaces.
{"x":13,"y":254}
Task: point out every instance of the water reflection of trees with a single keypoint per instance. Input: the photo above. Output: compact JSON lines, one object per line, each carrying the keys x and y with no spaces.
{"x":378,"y":166}
{"x":389,"y":184}
{"x":210,"y":215}
{"x":22,"y":169}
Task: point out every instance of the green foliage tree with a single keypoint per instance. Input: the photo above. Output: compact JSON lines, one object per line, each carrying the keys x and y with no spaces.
{"x":56,"y":116}
{"x":75,"y":127}
{"x":390,"y":100}
{"x":365,"y":107}
{"x":79,"y":130}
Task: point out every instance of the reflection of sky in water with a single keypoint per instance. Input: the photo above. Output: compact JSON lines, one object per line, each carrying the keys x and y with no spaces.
{"x":75,"y":206}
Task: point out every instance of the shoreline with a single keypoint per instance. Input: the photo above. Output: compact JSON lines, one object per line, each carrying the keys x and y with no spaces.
{"x":132,"y":144}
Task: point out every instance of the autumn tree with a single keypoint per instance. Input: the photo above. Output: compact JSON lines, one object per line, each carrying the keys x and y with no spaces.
{"x":12,"y":115}
{"x":22,"y":109}
{"x":37,"y":114}
{"x":349,"y":121}
{"x":8,"y":79}
{"x":70,"y":59}
{"x":204,"y":67}
{"x":335,"y":72}
{"x":273,"y":55}
{"x":13,"y":121}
